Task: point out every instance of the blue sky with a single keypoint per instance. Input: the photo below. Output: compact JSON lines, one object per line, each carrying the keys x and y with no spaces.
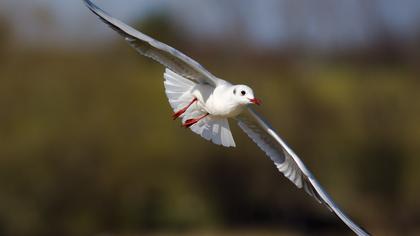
{"x":266,"y":22}
{"x":68,"y":20}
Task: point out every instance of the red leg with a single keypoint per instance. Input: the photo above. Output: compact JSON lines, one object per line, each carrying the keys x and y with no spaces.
{"x":190,"y":122}
{"x":183,"y":110}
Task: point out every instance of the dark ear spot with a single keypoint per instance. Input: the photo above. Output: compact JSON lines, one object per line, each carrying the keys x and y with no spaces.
{"x":234,"y":91}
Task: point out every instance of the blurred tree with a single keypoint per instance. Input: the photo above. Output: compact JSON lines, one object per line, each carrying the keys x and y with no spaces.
{"x":4,"y":36}
{"x":160,"y":26}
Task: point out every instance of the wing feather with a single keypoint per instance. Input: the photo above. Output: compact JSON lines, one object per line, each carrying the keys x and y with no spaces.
{"x":289,"y":163}
{"x":160,"y":52}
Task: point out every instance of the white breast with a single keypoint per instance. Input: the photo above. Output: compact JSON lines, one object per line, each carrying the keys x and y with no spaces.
{"x":217,"y":102}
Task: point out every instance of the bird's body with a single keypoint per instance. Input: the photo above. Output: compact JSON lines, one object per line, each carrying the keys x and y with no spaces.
{"x":216,"y":104}
{"x":206,"y":108}
{"x":205,"y":103}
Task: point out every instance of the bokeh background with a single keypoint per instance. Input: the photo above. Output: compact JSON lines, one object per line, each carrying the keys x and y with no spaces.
{"x":88,"y":146}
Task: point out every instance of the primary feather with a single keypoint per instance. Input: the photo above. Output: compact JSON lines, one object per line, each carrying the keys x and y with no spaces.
{"x":162,"y":53}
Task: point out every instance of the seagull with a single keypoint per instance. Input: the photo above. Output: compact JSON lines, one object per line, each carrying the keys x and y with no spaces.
{"x":205,"y":103}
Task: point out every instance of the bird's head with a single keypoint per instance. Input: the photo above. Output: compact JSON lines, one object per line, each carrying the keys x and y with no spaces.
{"x":244,"y":95}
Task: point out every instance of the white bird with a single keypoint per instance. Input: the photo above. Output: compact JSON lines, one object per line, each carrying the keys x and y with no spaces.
{"x":205,"y":103}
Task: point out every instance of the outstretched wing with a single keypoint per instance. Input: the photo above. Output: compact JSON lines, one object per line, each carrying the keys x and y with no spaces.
{"x":289,"y":163}
{"x":162,"y":53}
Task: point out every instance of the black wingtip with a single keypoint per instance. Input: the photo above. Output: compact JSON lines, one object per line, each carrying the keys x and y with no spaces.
{"x":87,"y":3}
{"x":91,"y":6}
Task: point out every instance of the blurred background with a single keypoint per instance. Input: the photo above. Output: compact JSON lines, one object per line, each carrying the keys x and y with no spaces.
{"x":88,"y":146}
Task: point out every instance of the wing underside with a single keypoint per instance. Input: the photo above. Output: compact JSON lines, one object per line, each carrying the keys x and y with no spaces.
{"x":289,"y":163}
{"x":277,"y":154}
{"x":158,"y":51}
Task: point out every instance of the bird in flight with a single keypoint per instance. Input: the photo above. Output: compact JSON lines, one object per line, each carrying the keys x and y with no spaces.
{"x":205,"y":103}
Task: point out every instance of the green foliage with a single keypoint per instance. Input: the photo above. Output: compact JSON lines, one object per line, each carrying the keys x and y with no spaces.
{"x":159,"y":25}
{"x":87,"y":146}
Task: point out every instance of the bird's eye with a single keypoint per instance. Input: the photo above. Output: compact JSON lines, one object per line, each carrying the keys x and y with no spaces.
{"x":243,"y":93}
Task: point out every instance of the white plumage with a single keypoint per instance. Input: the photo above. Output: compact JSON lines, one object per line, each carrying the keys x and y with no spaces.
{"x":181,"y":92}
{"x":205,"y":103}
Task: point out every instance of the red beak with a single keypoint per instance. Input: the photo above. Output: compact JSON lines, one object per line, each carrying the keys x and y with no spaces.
{"x":256,"y":101}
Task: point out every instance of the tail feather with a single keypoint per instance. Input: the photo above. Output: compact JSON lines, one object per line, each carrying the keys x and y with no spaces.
{"x":215,"y":130}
